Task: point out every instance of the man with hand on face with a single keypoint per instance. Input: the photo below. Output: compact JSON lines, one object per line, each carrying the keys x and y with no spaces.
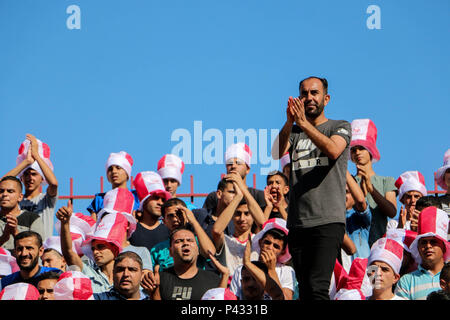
{"x":28,"y":249}
{"x":13,"y":220}
{"x":275,"y":194}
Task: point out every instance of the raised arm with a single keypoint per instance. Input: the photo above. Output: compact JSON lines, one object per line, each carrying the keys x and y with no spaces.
{"x":357,"y":193}
{"x":63,"y":215}
{"x":281,"y":144}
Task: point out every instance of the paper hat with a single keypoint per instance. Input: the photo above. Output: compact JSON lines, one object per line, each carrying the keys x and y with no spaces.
{"x":170,"y":166}
{"x":338,"y":279}
{"x":81,"y":226}
{"x":357,"y":277}
{"x":441,"y":171}
{"x":44,"y":153}
{"x":433,"y":222}
{"x":19,"y":291}
{"x":350,"y":294}
{"x":239,"y":150}
{"x":410,"y":181}
{"x":285,"y":160}
{"x":112,"y":228}
{"x":8,"y":263}
{"x":121,"y":159}
{"x":219,"y":294}
{"x":364,"y":133}
{"x":276,"y":223}
{"x":402,"y":236}
{"x":73,"y":285}
{"x":148,"y":183}
{"x":388,"y":251}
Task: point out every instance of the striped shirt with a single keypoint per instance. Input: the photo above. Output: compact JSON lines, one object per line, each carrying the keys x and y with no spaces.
{"x":418,"y":284}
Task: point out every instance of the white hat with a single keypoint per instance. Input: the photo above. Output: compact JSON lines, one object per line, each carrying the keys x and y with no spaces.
{"x":410,"y":181}
{"x":388,"y":251}
{"x":433,"y":222}
{"x":239,"y":150}
{"x":8,"y":263}
{"x":148,"y":183}
{"x":121,"y":159}
{"x":73,"y":285}
{"x":44,"y":153}
{"x":285,"y":160}
{"x":402,"y":236}
{"x":170,"y":166}
{"x":274,"y":223}
{"x":219,"y":294}
{"x":364,"y":133}
{"x":350,"y":294}
{"x":441,"y":171}
{"x":19,"y":291}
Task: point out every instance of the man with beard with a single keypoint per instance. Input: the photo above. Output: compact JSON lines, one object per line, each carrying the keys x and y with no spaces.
{"x":28,"y":249}
{"x":318,"y":149}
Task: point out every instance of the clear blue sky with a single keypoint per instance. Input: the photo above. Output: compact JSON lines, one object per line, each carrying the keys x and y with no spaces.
{"x":137,"y":71}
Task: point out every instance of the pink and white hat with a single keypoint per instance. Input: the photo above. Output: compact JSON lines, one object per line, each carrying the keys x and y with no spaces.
{"x":338,"y":279}
{"x":364,"y":133}
{"x":148,"y":183}
{"x":170,"y":166}
{"x":8,"y":263}
{"x":19,"y":291}
{"x":433,"y":222}
{"x":356,"y":286}
{"x":112,"y":228}
{"x":73,"y":285}
{"x":121,"y":159}
{"x":219,"y":294}
{"x":81,"y":226}
{"x":239,"y":150}
{"x":441,"y":171}
{"x":44,"y":152}
{"x":350,"y":294}
{"x":276,"y":223}
{"x":410,"y":181}
{"x":389,"y":251}
{"x":285,"y":160}
{"x":402,"y":236}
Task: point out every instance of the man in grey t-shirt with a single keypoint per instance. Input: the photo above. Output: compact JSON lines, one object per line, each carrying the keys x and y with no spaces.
{"x":318,"y":149}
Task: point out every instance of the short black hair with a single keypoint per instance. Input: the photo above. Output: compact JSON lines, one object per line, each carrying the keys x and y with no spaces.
{"x":170,"y":203}
{"x":131,"y":255}
{"x":180,"y":229}
{"x":277,"y":173}
{"x":439,"y":295}
{"x":49,"y":275}
{"x":54,"y":251}
{"x":277,"y":234}
{"x":15,"y":179}
{"x":27,"y":234}
{"x":323,"y":80}
{"x":261,"y":265}
{"x":445,"y":272}
{"x":427,"y":201}
{"x":223,"y":184}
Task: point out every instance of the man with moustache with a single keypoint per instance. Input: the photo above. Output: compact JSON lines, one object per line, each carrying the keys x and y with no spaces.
{"x":318,"y":149}
{"x":28,"y":249}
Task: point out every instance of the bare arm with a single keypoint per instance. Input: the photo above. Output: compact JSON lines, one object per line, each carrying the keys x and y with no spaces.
{"x":281,"y":144}
{"x":357,"y":193}
{"x":348,"y":246}
{"x":71,"y":257}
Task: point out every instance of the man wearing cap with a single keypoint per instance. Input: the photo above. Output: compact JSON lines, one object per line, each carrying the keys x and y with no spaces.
{"x":316,"y":216}
{"x":431,"y":250}
{"x":34,"y":168}
{"x":237,"y":160}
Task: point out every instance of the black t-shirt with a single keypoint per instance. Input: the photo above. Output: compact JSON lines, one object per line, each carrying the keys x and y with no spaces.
{"x":143,"y":237}
{"x":173,"y":288}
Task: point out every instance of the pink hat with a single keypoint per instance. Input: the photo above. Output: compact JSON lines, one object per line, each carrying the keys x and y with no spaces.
{"x":402,"y":236}
{"x":364,"y":133}
{"x":112,"y":228}
{"x":170,"y":166}
{"x":271,"y":224}
{"x":338,"y":279}
{"x":389,"y":251}
{"x":8,"y":263}
{"x":285,"y":160}
{"x":239,"y":150}
{"x":19,"y":291}
{"x":357,"y":277}
{"x":121,"y":159}
{"x":73,"y":285}
{"x":81,"y":226}
{"x":410,"y":181}
{"x":433,"y":222}
{"x":219,"y":294}
{"x":44,"y":152}
{"x":441,"y":171}
{"x":148,"y":183}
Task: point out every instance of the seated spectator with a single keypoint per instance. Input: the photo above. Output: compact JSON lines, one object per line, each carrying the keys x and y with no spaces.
{"x":13,"y":219}
{"x":171,"y":169}
{"x":430,"y":249}
{"x":237,"y":160}
{"x":443,"y":180}
{"x":52,"y":256}
{"x":118,"y":172}
{"x":28,"y":249}
{"x":275,"y":195}
{"x":46,"y":284}
{"x":150,"y":230}
{"x":34,"y":168}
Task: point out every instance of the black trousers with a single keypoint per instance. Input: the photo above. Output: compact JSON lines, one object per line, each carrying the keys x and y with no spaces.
{"x":314,"y":252}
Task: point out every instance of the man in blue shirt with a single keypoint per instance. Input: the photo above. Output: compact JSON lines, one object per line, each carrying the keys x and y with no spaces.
{"x":28,"y":248}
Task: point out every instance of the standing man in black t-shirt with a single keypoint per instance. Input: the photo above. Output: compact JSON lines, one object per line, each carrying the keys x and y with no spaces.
{"x":318,"y":149}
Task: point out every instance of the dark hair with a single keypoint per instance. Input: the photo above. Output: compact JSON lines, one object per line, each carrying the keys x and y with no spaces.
{"x":278,"y":235}
{"x":49,"y":275}
{"x":179,"y":229}
{"x":170,"y":203}
{"x":277,"y":173}
{"x":27,"y":234}
{"x":323,"y":80}
{"x":131,"y":255}
{"x":53,"y":250}
{"x":439,"y":295}
{"x":223,"y":184}
{"x":427,"y":201}
{"x":261,"y":265}
{"x":12,"y":178}
{"x":445,"y":272}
